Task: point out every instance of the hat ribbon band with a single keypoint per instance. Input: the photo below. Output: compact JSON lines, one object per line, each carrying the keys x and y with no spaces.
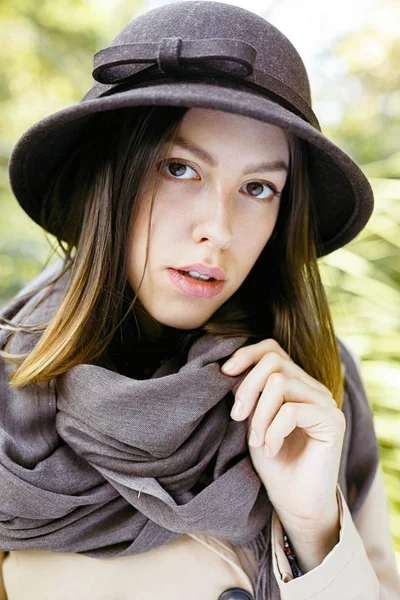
{"x":173,"y":55}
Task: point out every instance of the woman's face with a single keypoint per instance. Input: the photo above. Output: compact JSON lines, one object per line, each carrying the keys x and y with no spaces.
{"x":215,"y":206}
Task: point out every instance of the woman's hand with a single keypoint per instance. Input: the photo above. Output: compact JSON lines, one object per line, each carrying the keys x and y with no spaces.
{"x":297,"y":418}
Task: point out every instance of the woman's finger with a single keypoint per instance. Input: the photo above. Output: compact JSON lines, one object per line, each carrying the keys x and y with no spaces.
{"x":322,"y":423}
{"x":252,"y":354}
{"x":264,"y":346}
{"x":279,"y":390}
{"x":254,"y":383}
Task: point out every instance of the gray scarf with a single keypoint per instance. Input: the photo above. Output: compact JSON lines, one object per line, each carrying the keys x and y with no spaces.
{"x":106,"y":465}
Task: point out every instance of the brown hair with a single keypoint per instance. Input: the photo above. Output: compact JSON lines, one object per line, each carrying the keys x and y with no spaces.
{"x":90,"y":205}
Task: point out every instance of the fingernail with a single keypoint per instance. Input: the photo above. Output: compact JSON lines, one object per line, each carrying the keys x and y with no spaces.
{"x":253,"y":441}
{"x":229,"y":366}
{"x":237,"y":409}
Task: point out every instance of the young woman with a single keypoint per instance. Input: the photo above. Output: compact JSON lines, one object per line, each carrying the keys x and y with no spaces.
{"x":191,"y":192}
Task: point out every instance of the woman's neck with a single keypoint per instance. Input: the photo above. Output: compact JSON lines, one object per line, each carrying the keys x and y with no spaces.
{"x":140,"y":344}
{"x":136,"y":353}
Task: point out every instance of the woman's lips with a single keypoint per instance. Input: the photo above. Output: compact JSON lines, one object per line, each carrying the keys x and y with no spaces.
{"x":210,"y":271}
{"x":195,"y":287}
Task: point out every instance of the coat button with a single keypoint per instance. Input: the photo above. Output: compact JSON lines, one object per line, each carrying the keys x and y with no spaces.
{"x":235,"y":594}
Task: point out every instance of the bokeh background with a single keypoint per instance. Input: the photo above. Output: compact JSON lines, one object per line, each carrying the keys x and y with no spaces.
{"x":352,"y":53}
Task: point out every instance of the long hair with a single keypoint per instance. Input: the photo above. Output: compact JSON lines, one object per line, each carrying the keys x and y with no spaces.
{"x":91,"y":207}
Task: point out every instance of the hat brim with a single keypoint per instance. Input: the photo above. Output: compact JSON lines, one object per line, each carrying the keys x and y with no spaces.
{"x":342,"y":193}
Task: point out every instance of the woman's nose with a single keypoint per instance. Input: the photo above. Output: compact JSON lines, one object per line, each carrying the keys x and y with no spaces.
{"x":215,"y":221}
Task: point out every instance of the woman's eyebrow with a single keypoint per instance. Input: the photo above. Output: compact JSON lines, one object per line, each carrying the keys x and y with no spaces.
{"x":275,"y":165}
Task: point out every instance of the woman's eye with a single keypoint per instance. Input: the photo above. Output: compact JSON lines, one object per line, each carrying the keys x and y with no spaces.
{"x":177,"y":169}
{"x":255,"y":189}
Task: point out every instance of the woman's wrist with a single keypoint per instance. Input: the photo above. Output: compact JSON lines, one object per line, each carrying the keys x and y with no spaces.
{"x":310,"y":550}
{"x":309,"y":541}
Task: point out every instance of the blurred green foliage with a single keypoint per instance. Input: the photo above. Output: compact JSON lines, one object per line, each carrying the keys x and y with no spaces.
{"x":362,"y":280}
{"x":45,"y":59}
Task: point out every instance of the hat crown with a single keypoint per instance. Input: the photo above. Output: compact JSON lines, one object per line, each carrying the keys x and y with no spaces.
{"x":202,"y":20}
{"x":206,"y":54}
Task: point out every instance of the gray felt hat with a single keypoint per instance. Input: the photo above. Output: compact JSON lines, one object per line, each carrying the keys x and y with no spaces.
{"x":210,"y":55}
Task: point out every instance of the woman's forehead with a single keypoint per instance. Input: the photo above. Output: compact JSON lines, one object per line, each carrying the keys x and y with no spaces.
{"x":204,"y":131}
{"x":210,"y":116}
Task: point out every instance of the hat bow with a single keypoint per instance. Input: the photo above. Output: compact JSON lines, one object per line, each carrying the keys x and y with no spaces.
{"x":173,"y":55}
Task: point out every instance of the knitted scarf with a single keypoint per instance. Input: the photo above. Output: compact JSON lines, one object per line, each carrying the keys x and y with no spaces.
{"x":106,"y":465}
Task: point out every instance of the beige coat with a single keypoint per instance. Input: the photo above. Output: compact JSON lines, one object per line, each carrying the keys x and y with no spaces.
{"x":199,"y":567}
